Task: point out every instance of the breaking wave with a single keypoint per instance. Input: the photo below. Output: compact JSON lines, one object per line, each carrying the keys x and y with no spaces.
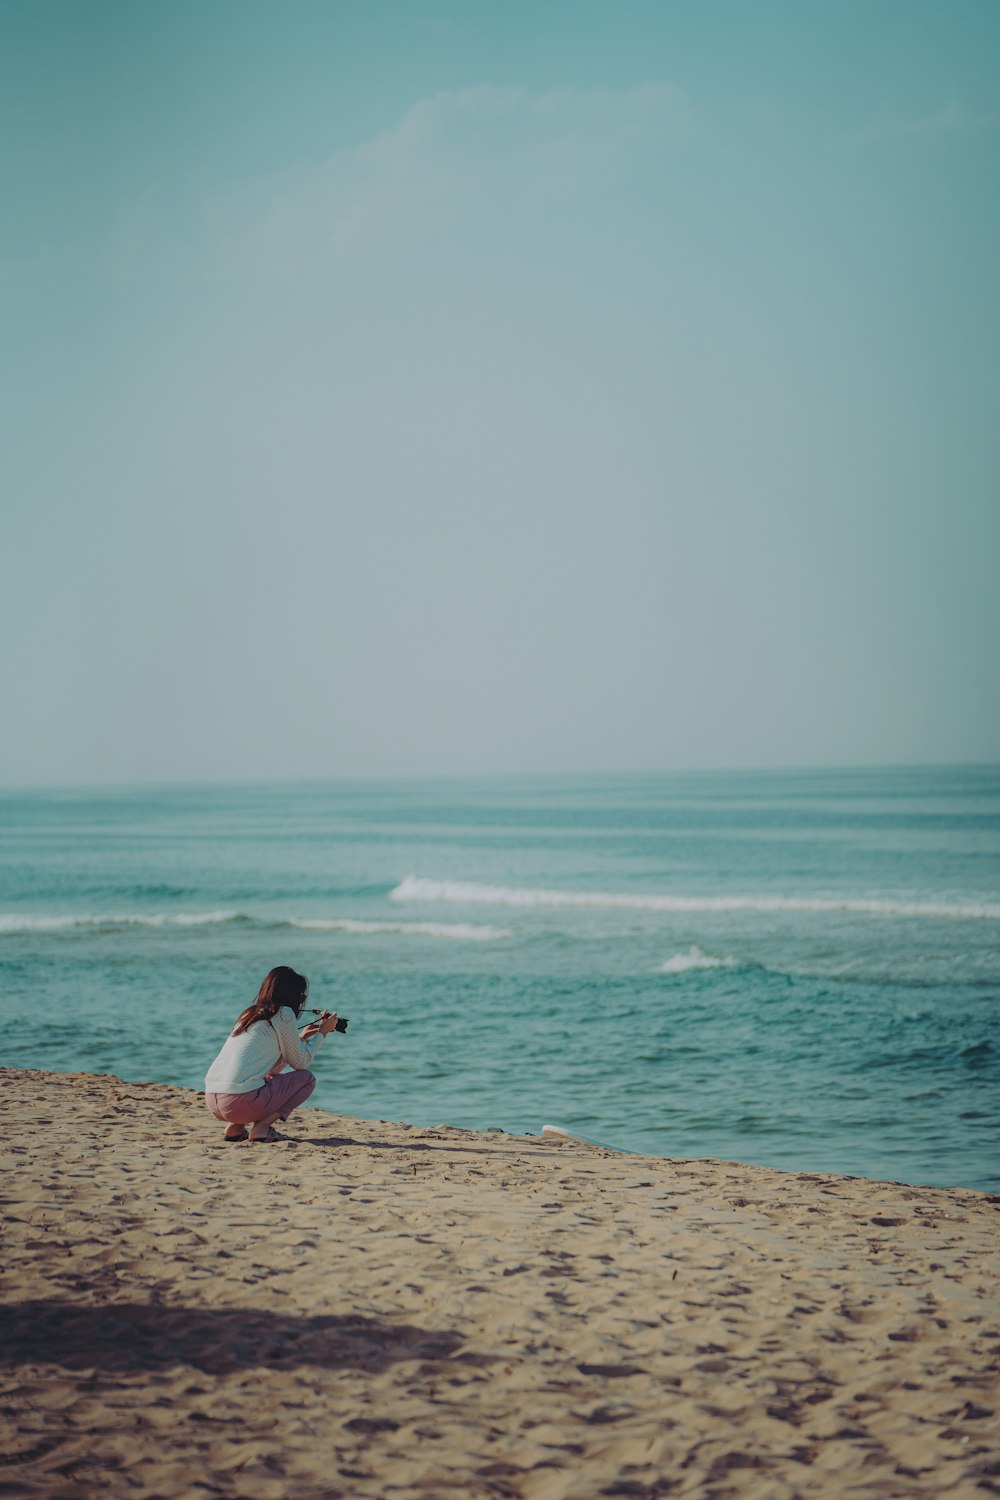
{"x":20,"y":923}
{"x":17,"y":923}
{"x":467,"y":931}
{"x":682,"y":963}
{"x":468,"y":893}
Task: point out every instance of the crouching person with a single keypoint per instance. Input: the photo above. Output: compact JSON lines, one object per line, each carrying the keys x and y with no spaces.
{"x":245,"y":1086}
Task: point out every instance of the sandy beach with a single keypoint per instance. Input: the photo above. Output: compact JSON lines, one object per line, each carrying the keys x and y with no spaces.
{"x":383,"y":1310}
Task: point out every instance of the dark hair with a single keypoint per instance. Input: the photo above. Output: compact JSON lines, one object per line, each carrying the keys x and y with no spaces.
{"x":281,"y":987}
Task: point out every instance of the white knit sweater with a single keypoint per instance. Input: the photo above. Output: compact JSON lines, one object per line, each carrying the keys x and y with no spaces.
{"x":247,"y":1060}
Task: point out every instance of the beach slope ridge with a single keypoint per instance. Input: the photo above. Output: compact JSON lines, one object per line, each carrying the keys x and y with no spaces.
{"x":372,"y":1309}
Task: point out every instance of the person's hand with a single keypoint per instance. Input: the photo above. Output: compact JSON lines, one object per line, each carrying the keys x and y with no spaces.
{"x":326,"y":1023}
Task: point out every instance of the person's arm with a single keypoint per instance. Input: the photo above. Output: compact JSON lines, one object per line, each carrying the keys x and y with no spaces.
{"x":294,"y":1050}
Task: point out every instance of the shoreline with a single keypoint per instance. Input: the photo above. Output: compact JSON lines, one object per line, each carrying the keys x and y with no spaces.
{"x":581,"y":1135}
{"x":373,"y":1309}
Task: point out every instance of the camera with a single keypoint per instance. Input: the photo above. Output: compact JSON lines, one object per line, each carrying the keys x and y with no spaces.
{"x":341,"y":1020}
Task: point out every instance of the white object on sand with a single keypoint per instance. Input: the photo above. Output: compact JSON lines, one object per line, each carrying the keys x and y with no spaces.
{"x":588,"y":1140}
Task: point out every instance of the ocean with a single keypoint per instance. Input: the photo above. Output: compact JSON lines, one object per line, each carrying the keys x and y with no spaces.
{"x":795,"y":969}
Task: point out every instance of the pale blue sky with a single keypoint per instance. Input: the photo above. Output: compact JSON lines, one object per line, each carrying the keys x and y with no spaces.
{"x":403,"y":388}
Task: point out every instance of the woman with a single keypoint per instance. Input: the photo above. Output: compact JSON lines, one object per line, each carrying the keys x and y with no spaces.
{"x":245,"y":1084}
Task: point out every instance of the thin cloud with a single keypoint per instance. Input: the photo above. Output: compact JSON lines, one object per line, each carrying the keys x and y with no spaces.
{"x":463,"y":155}
{"x":953,"y":119}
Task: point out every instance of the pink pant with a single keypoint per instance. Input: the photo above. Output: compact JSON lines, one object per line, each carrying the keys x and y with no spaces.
{"x":279,"y":1096}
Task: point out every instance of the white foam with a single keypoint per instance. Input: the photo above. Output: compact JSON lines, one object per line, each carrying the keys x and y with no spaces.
{"x":463,"y":893}
{"x":14,"y":922}
{"x":681,"y":963}
{"x":464,"y":931}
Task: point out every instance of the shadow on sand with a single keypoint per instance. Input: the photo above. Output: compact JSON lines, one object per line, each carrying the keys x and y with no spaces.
{"x":446,"y":1146}
{"x":142,"y":1336}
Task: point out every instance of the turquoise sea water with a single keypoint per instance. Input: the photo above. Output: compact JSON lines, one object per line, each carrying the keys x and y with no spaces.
{"x":801,"y":970}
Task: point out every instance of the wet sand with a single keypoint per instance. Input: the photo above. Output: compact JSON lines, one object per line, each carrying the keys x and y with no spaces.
{"x":379,"y":1310}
